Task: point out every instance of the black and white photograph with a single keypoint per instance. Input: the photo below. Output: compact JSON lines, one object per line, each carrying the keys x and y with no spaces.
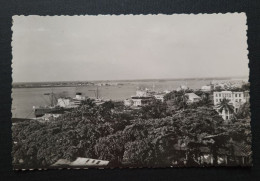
{"x":130,"y":91}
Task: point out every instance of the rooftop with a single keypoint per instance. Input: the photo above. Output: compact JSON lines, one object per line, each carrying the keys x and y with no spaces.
{"x":80,"y":162}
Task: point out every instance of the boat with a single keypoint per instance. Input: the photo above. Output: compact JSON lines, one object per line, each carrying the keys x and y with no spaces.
{"x":98,"y":100}
{"x":58,"y":106}
{"x":39,"y":111}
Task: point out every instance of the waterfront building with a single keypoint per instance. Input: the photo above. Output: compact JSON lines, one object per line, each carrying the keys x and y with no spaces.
{"x":207,"y":88}
{"x":142,"y":98}
{"x":159,"y":96}
{"x":182,"y":87}
{"x":167,"y":91}
{"x":228,"y":85}
{"x":236,"y":99}
{"x":68,"y":102}
{"x":192,"y":97}
{"x":141,"y":101}
{"x":142,"y":93}
{"x":64,"y":102}
{"x":128,"y":102}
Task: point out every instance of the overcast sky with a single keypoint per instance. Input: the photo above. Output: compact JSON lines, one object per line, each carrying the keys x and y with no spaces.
{"x":67,"y":48}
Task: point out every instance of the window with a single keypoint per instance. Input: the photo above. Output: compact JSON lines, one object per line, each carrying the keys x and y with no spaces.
{"x":216,"y":95}
{"x":98,"y":162}
{"x":239,"y":100}
{"x":219,"y":95}
{"x":216,"y":100}
{"x":226,"y":117}
{"x":235,"y":95}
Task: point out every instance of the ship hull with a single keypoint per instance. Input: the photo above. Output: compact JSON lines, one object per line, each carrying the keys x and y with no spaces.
{"x":39,"y":112}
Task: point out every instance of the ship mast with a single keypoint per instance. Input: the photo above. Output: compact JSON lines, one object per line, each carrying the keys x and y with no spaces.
{"x":52,"y":97}
{"x":96,"y":92}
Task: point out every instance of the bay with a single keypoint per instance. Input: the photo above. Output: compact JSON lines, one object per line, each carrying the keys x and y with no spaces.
{"x":23,"y":99}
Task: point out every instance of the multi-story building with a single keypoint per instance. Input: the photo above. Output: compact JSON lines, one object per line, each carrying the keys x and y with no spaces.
{"x":142,"y":98}
{"x":236,"y":99}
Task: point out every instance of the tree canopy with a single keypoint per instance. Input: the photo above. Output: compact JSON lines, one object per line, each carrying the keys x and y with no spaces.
{"x":155,"y":135}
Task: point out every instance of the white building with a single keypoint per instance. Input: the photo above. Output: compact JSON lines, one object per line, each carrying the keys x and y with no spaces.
{"x":159,"y":97}
{"x":193,"y":97}
{"x":141,"y":93}
{"x":167,"y":91}
{"x":128,"y":102}
{"x":207,"y":88}
{"x":182,"y":87}
{"x":142,"y":98}
{"x":141,"y":101}
{"x":64,"y":102}
{"x":69,"y":102}
{"x":236,"y":99}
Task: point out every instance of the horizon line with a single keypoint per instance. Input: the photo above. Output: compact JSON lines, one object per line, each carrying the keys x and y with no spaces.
{"x":188,"y":78}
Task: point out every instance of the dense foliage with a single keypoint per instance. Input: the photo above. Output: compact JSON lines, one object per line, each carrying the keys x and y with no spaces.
{"x":159,"y":134}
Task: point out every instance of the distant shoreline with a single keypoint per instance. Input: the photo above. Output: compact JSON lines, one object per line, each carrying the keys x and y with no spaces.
{"x":18,"y":85}
{"x":135,"y":80}
{"x":24,"y":87}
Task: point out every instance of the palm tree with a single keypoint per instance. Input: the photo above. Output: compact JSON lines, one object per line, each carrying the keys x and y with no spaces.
{"x":226,"y":106}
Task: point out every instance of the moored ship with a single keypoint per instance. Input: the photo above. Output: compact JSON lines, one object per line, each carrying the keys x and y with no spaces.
{"x":42,"y":110}
{"x":58,"y":106}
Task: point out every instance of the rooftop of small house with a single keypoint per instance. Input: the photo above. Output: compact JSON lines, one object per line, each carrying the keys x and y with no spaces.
{"x":192,"y":95}
{"x":80,"y":162}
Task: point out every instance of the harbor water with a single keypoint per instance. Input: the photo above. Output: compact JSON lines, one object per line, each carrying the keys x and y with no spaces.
{"x":25,"y":98}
